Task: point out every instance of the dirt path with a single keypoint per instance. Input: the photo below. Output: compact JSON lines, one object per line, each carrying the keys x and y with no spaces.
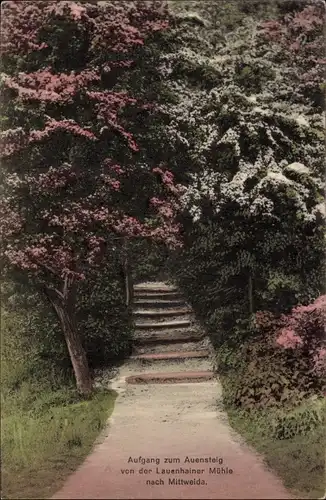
{"x":176,"y":433}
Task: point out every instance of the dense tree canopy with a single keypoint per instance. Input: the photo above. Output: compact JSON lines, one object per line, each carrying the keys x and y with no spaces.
{"x":187,"y":124}
{"x":73,"y":184}
{"x":162,"y":140}
{"x":248,"y":114}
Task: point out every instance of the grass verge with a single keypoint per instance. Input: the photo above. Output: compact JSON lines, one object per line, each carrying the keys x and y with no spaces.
{"x":45,"y":437}
{"x":299,"y":461}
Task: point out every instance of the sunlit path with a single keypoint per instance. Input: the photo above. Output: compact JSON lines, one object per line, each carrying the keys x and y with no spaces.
{"x":168,"y":440}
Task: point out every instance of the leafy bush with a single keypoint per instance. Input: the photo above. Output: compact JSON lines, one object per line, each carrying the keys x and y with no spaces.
{"x":278,"y":367}
{"x":105,"y":322}
{"x":149,"y":261}
{"x":32,"y":348}
{"x":300,"y":333}
{"x":259,"y":375}
{"x":304,"y":331}
{"x":32,"y":339}
{"x":228,"y":360}
{"x":299,"y":421}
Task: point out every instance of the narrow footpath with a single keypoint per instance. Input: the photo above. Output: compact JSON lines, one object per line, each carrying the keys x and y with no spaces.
{"x":167,"y":437}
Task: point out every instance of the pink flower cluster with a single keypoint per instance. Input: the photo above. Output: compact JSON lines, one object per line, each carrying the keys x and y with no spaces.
{"x":114,"y":167}
{"x":12,"y":222}
{"x":156,"y":202}
{"x":107,"y":104}
{"x":96,"y":246}
{"x":112,"y":183}
{"x":167,"y":233}
{"x":129,"y":226}
{"x":289,"y":339}
{"x":166,"y":176}
{"x":300,"y":36}
{"x":164,"y":208}
{"x":46,"y":86}
{"x":54,"y":126}
{"x":55,"y":178}
{"x":39,"y":258}
{"x":114,"y":28}
{"x":61,"y":8}
{"x":16,"y":17}
{"x":304,"y":329}
{"x":19,"y":258}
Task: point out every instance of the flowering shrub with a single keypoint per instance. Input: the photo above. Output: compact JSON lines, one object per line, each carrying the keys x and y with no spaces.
{"x":73,"y":184}
{"x":282,"y":365}
{"x":304,"y":331}
{"x":292,"y":347}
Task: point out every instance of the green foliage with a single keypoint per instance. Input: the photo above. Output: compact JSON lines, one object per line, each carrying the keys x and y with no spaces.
{"x":29,"y":325}
{"x":253,"y":220}
{"x":259,"y":375}
{"x":220,"y":15}
{"x":31,"y":343}
{"x":302,"y":420}
{"x":47,"y":429}
{"x":105,"y":322}
{"x":149,"y":261}
{"x":253,"y":77}
{"x":45,"y":434}
{"x":298,"y":460}
{"x":262,"y":389}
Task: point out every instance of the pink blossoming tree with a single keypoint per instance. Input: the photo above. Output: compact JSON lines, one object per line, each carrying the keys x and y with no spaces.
{"x":72,"y":184}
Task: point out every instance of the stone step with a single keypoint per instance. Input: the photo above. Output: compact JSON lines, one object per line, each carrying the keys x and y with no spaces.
{"x":169,"y":336}
{"x":155,"y":288}
{"x":161,"y":303}
{"x":176,"y":355}
{"x":170,"y":377}
{"x":157,"y":295}
{"x":154,"y":284}
{"x":182,"y":323}
{"x":151,"y":313}
{"x":159,"y":348}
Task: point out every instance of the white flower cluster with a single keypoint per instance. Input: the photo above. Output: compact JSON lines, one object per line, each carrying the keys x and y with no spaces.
{"x":202,"y":185}
{"x":13,"y":181}
{"x":231,"y":137}
{"x":246,"y":128}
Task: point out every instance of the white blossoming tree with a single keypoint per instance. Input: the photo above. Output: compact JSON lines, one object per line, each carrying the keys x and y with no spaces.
{"x":249,"y":134}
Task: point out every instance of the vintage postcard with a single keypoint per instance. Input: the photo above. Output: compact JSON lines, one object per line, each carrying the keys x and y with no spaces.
{"x":163,"y":249}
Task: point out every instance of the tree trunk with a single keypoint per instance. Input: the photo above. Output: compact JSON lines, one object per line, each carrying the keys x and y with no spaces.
{"x":77,"y":354}
{"x":66,"y":315}
{"x":250,"y":295}
{"x":129,"y":288}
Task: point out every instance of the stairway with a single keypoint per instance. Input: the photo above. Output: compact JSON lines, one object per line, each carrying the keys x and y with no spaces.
{"x":167,"y":339}
{"x":159,"y":419}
